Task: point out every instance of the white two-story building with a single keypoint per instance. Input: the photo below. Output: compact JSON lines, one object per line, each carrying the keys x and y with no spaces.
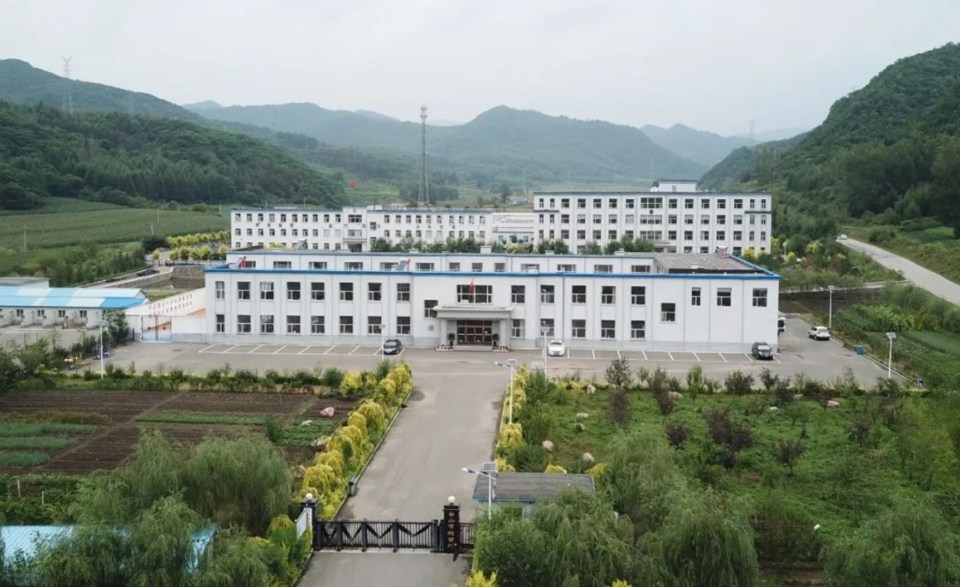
{"x":626,"y":301}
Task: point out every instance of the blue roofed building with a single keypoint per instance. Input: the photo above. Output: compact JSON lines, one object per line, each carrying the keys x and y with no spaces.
{"x":29,"y":302}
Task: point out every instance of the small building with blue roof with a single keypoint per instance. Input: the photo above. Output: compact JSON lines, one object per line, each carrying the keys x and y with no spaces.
{"x":32,"y":302}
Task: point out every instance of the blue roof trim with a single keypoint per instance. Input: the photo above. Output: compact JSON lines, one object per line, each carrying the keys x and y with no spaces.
{"x":471,"y":274}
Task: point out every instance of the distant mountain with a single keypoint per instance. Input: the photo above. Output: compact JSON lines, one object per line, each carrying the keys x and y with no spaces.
{"x":501,"y":142}
{"x":21,"y":83}
{"x":701,"y":146}
{"x":747,"y":164}
{"x":205,"y":105}
{"x":777,"y":134}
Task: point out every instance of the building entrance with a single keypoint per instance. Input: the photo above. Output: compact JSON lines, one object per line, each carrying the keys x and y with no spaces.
{"x":479,"y":332}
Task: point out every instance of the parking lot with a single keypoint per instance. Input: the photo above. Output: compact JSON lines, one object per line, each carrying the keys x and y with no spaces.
{"x":294,"y":349}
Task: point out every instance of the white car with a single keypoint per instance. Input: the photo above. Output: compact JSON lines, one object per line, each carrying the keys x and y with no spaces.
{"x":556,"y":348}
{"x":819,"y":333}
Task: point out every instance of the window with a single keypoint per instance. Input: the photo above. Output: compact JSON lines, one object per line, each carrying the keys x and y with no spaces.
{"x":638,"y":329}
{"x":546,"y":294}
{"x":721,"y":235}
{"x":424,"y":266}
{"x":221,"y":323}
{"x":374,"y":292}
{"x":429,"y":308}
{"x":282,"y":264}
{"x":688,"y":204}
{"x":638,"y":295}
{"x":346,"y":292}
{"x":266,"y":324}
{"x":608,"y":294}
{"x":582,"y":203}
{"x":353,"y":266}
{"x":318,"y":265}
{"x":530,"y":267}
{"x":760,"y":298}
{"x":724,"y":297}
{"x":518,"y":294}
{"x":454,"y":266}
{"x":317,"y":325}
{"x":608,"y":329}
{"x":83,"y":313}
{"x":639,"y":269}
{"x":293,"y":290}
{"x":243,"y":324}
{"x":578,"y":328}
{"x":695,"y":296}
{"x":243,"y":290}
{"x":346,"y":324}
{"x":597,"y":203}
{"x":219,"y":290}
{"x":293,"y":324}
{"x":317,"y":292}
{"x":668,"y":312}
{"x":499,"y":267}
{"x":474,"y":294}
{"x":546,"y":327}
{"x":403,"y":292}
{"x":518,"y":329}
{"x":566,"y":268}
{"x":476,"y":267}
{"x":374,"y":324}
{"x":603,"y":268}
{"x":578,"y":294}
{"x":403,"y":323}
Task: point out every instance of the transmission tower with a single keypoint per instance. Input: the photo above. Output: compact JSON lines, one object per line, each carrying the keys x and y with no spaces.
{"x":753,"y":123}
{"x":68,"y":99}
{"x":423,"y":197}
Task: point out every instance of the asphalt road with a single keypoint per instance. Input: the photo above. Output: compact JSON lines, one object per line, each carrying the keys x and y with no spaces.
{"x":920,"y":276}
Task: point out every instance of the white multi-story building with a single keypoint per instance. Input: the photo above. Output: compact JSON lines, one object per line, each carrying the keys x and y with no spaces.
{"x":627,"y":301}
{"x":674,"y":221}
{"x":673,"y":216}
{"x":355,"y":228}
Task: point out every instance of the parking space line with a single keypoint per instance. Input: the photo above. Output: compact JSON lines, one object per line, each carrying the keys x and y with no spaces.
{"x":355,"y":349}
{"x":402,"y":349}
{"x":749,"y":358}
{"x":206,"y":348}
{"x":254,"y":349}
{"x":619,"y":357}
{"x":304,"y":350}
{"x":669,"y":354}
{"x":594,"y":353}
{"x":696,"y":356}
{"x":279,"y":349}
{"x":644,"y":354}
{"x":231,"y":349}
{"x":724,"y":358}
{"x":376,"y":352}
{"x":329,"y":349}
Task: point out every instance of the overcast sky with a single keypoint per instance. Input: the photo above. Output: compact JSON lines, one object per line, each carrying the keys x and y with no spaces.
{"x":710,"y":64}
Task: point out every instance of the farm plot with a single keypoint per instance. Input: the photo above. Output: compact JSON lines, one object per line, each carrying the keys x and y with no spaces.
{"x":185,"y":416}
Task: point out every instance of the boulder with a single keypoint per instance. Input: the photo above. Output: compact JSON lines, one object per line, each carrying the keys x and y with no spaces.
{"x":582,"y":415}
{"x":797,"y":397}
{"x":320,"y":443}
{"x":579,"y":427}
{"x":773,"y":408}
{"x":306,"y":423}
{"x":327,"y":412}
{"x":547,"y":446}
{"x":586,"y":457}
{"x":300,"y":472}
{"x":833,"y":403}
{"x":674,"y":395}
{"x":591,"y":389}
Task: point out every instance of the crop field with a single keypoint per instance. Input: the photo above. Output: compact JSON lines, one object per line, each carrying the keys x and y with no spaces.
{"x":33,"y":441}
{"x":67,"y":222}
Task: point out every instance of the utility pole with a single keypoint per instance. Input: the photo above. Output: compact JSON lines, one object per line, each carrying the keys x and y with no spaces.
{"x":423,"y":196}
{"x":68,"y":102}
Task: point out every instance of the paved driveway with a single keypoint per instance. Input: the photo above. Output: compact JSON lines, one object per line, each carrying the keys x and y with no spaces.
{"x":921,"y":276}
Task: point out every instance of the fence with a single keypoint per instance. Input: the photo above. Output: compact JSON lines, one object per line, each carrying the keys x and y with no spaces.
{"x":395,"y":535}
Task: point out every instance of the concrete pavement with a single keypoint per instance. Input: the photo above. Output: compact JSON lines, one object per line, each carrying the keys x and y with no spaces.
{"x":922,"y":277}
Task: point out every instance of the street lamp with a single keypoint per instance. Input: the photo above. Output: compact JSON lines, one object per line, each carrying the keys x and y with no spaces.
{"x":383,"y":342}
{"x":830,"y":289}
{"x":102,"y":372}
{"x":891,"y":336}
{"x":512,"y":365}
{"x":489,"y":471}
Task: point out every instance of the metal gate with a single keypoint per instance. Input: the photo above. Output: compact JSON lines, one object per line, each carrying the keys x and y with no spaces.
{"x":395,"y":535}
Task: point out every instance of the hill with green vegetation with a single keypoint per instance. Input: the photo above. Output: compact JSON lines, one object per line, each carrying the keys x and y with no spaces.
{"x":502,"y":143}
{"x":701,"y":146}
{"x":888,"y":153}
{"x":21,"y":83}
{"x":748,"y":164}
{"x":136,"y":160}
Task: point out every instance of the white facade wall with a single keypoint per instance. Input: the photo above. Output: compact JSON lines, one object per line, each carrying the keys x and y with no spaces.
{"x":408,"y":284}
{"x":681,"y":222}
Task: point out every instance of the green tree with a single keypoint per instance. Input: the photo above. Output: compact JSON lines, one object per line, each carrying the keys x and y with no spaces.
{"x":161,"y":542}
{"x":908,"y":545}
{"x":235,"y":562}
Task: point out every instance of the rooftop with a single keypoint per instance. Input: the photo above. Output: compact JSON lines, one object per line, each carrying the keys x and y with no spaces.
{"x":21,"y":281}
{"x":70,"y":297}
{"x":530,"y":487}
{"x":700,"y":263}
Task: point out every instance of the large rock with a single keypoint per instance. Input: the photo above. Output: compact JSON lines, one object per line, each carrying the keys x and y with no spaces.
{"x":674,"y":395}
{"x":306,"y":423}
{"x":547,"y":446}
{"x":833,"y":403}
{"x":582,"y":415}
{"x":579,"y":427}
{"x":327,"y":412}
{"x":320,"y":443}
{"x":591,"y":389}
{"x":587,"y":457}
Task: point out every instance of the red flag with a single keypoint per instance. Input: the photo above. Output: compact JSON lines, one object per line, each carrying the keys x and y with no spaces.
{"x":471,"y":286}
{"x":353,"y":183}
{"x":243,"y":262}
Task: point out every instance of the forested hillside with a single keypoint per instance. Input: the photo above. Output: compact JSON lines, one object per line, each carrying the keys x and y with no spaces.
{"x":889,"y":152}
{"x":131,"y":160}
{"x":703,"y":147}
{"x":502,"y":143}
